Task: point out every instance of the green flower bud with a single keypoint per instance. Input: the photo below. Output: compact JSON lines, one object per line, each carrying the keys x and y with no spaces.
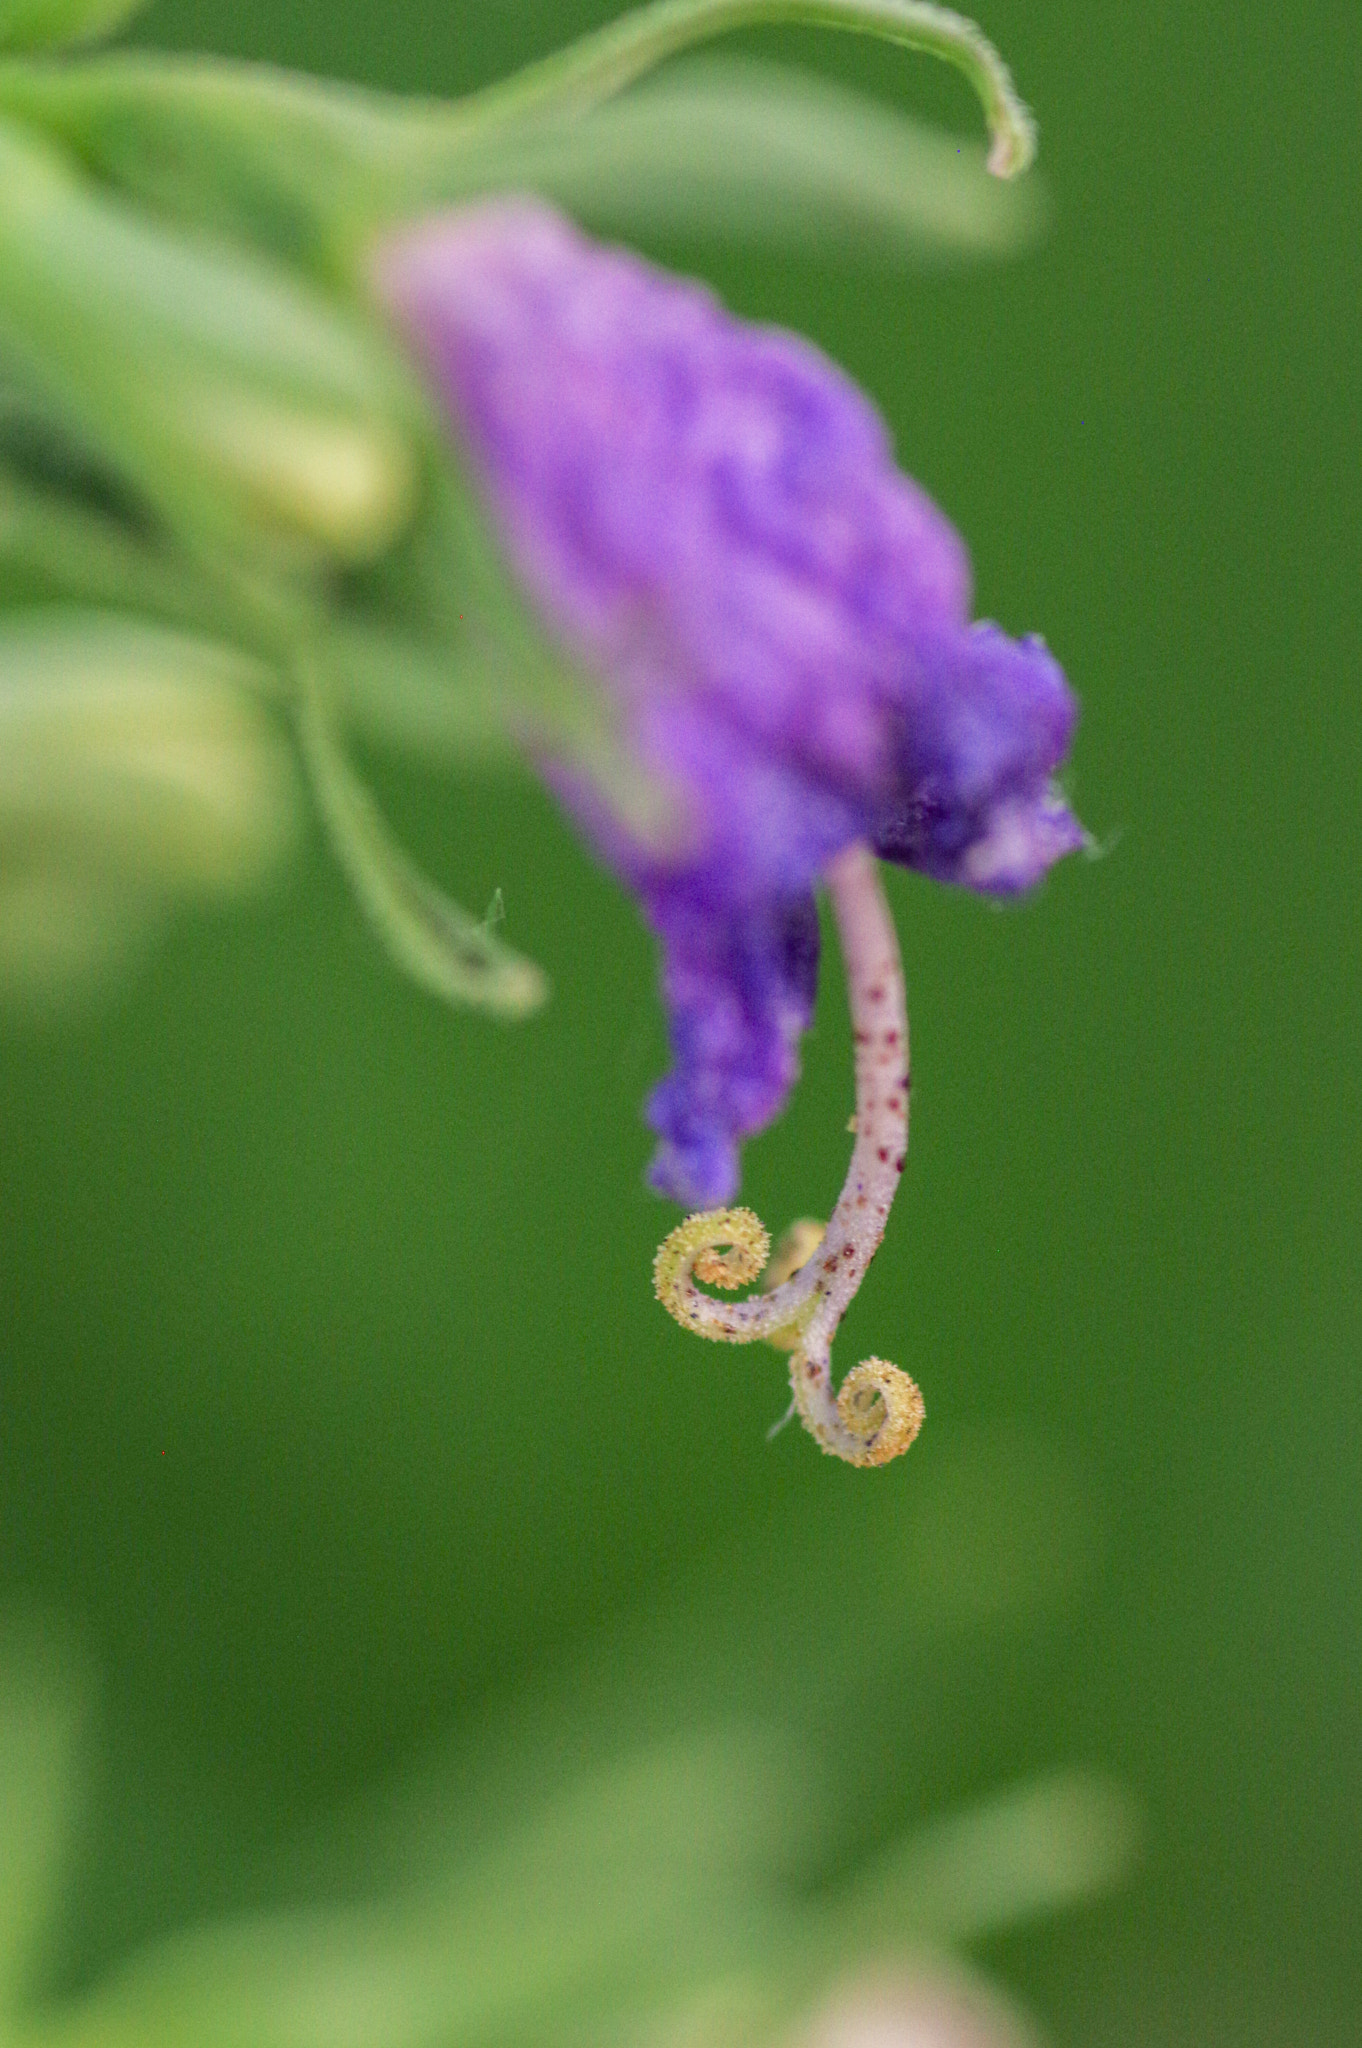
{"x":347,"y":483}
{"x":244,"y":404}
{"x":138,"y":769}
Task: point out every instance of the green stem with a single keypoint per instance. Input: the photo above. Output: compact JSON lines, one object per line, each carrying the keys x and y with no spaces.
{"x":592,"y":69}
{"x":438,"y":944}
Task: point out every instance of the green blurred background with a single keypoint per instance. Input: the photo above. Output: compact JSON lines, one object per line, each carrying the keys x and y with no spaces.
{"x":336,"y":1407}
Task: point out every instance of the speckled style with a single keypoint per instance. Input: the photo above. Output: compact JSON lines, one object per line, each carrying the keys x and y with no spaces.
{"x":878,"y":1410}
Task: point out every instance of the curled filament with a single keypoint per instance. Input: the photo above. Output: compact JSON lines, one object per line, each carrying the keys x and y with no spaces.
{"x":878,"y":1410}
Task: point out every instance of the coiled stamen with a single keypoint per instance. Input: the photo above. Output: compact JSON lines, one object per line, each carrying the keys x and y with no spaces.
{"x":878,"y":1410}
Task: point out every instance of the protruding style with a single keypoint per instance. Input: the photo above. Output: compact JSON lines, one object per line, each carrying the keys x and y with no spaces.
{"x":878,"y":1410}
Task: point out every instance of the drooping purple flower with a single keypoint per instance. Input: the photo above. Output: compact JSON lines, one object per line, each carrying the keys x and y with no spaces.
{"x":708,"y":514}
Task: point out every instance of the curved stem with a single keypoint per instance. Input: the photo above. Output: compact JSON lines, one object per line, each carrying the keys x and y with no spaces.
{"x":438,"y":943}
{"x":878,"y":1410}
{"x":590,"y":70}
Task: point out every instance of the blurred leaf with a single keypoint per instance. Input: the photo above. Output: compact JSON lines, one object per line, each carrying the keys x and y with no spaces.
{"x":136,"y":768}
{"x":868,"y":1623}
{"x":64,"y":940}
{"x":41,"y":24}
{"x":43,"y":1692}
{"x":625,"y":1865}
{"x":1033,"y":1850}
{"x":731,"y":1801}
{"x":993,"y":1533}
{"x":740,"y":151}
{"x":584,"y":74}
{"x":235,"y":398}
{"x":614,"y":1897}
{"x":297,"y":165}
{"x":661,"y":1891}
{"x":403,"y":662}
{"x":732,"y":149}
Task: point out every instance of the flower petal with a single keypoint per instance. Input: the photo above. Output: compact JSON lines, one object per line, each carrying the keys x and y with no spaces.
{"x":739,"y":991}
{"x":709,"y":516}
{"x":982,"y":724}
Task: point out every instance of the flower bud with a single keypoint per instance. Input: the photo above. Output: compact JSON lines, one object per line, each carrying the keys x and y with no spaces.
{"x":137,"y":769}
{"x":238,"y":401}
{"x":342,"y":481}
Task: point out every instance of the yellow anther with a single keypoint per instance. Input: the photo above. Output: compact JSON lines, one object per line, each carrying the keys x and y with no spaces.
{"x":723,"y":1247}
{"x":882,"y":1409}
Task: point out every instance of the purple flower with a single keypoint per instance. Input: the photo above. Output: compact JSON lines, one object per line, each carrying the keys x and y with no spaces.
{"x":708,"y":514}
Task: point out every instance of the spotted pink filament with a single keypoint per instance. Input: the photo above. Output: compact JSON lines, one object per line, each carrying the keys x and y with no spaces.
{"x":879,"y":1410}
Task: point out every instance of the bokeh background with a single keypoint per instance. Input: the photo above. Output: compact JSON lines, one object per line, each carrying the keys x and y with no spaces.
{"x":335,"y":1409}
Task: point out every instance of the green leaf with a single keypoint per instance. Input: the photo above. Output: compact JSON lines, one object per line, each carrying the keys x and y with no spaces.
{"x":43,"y":1688}
{"x":733,"y":149}
{"x":447,"y":704}
{"x":1033,"y":1850}
{"x":740,"y":151}
{"x":46,"y":24}
{"x":300,"y":166}
{"x":613,"y":1899}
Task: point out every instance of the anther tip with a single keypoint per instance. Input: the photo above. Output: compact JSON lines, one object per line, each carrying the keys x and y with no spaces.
{"x":883,"y":1408}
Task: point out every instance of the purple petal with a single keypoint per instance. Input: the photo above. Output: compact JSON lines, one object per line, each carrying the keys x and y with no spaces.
{"x":708,"y":514}
{"x":739,"y":992}
{"x":983,"y":724}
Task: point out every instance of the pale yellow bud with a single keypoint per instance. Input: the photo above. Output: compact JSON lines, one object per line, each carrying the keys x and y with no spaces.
{"x":348,"y":484}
